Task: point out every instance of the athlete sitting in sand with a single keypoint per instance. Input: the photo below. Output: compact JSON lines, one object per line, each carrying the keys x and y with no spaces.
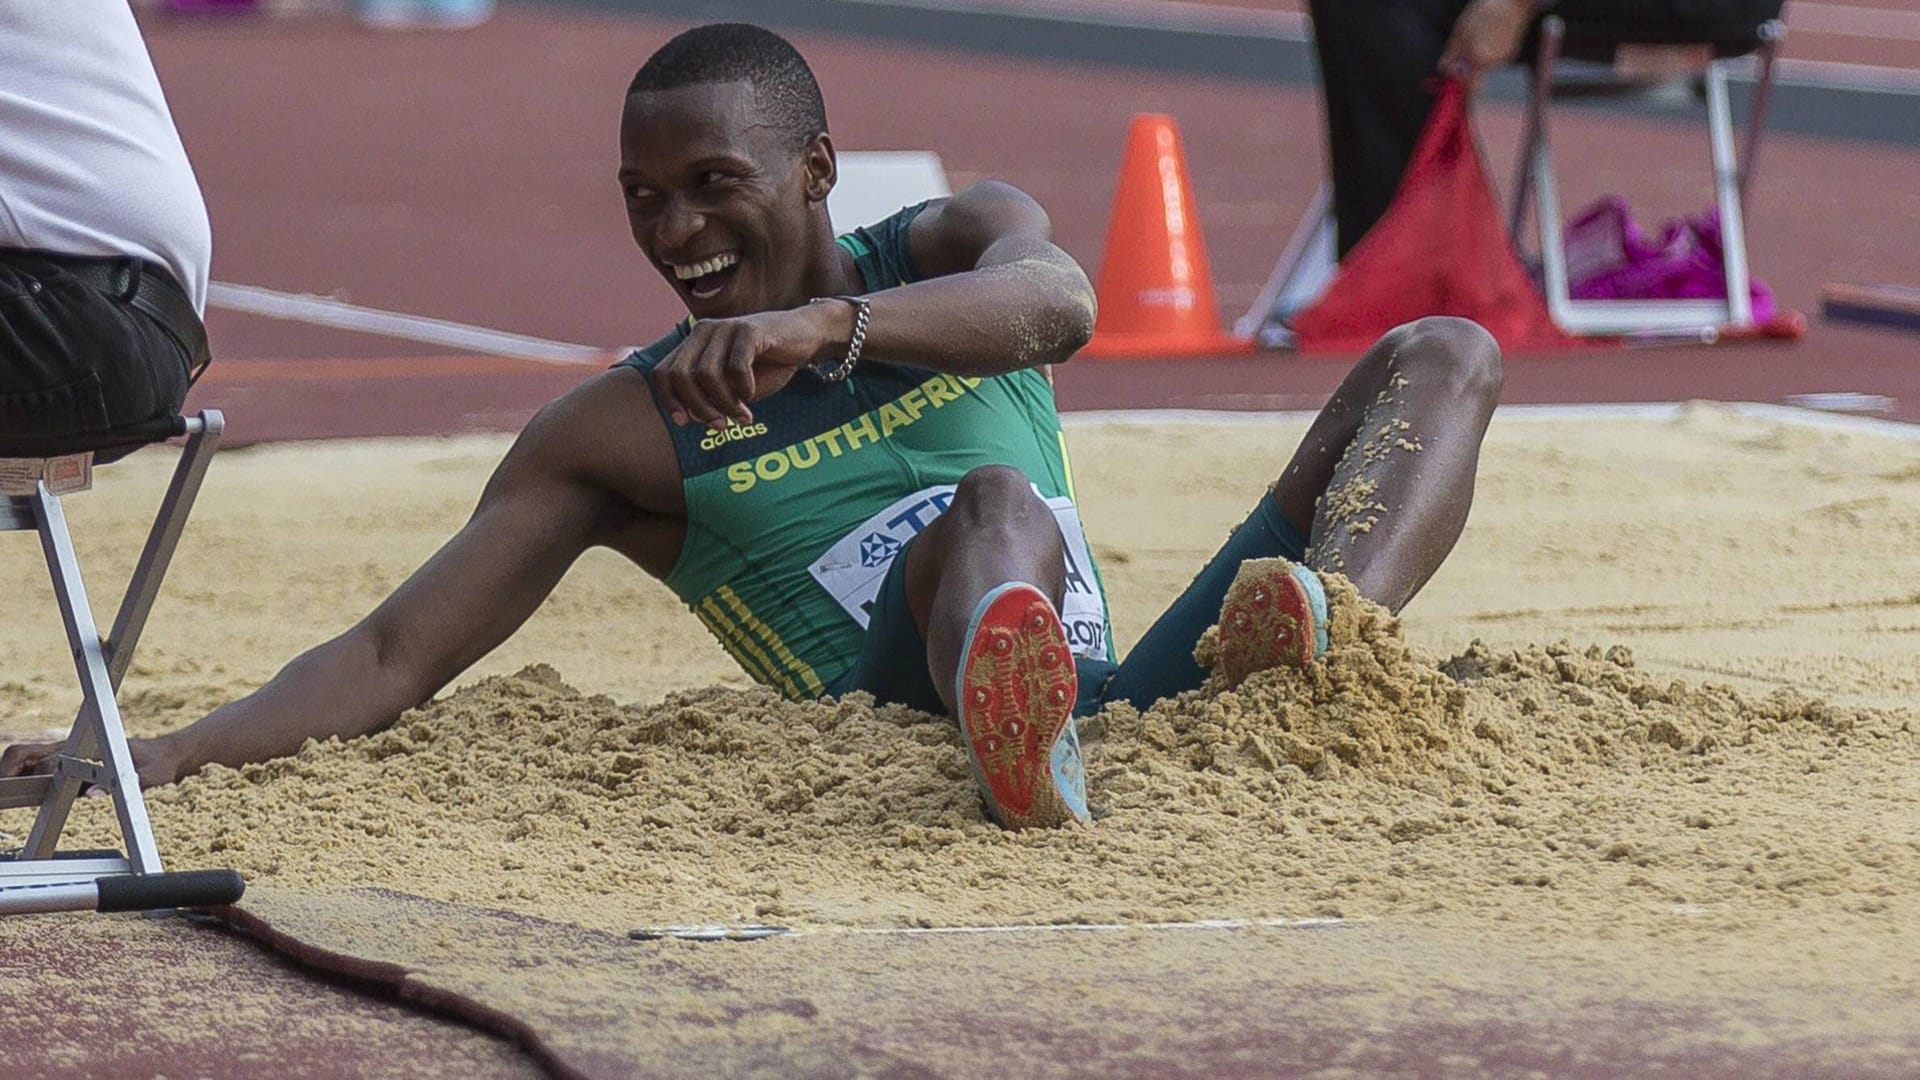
{"x":847,"y":462}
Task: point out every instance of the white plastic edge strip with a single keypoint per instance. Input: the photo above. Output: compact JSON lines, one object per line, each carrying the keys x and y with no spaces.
{"x":340,"y":315}
{"x":1657,"y":410}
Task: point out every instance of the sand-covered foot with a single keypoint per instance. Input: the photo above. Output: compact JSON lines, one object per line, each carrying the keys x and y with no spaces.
{"x":1275,"y":613}
{"x":1015,"y":692}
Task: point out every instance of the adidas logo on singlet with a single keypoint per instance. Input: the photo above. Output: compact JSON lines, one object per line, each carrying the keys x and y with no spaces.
{"x":731,"y":433}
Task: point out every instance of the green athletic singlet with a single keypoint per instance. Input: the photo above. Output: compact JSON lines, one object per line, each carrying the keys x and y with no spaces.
{"x":793,"y":520}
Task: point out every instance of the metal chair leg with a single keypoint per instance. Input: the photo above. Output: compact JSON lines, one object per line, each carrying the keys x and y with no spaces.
{"x":1552,"y":36}
{"x":1298,"y":277}
{"x":35,"y":880}
{"x":1538,"y":161}
{"x":98,"y":728}
{"x":1726,"y":184}
{"x":1730,"y":175}
{"x":168,"y":523}
{"x":1771,"y":37}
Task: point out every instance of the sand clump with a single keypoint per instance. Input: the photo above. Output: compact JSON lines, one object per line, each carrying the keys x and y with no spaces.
{"x":1371,"y":701}
{"x":1379,"y":781}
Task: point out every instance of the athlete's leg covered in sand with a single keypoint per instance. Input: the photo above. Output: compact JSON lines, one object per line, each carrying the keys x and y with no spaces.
{"x":1378,"y":491}
{"x":1388,"y":467}
{"x":1383,"y":481}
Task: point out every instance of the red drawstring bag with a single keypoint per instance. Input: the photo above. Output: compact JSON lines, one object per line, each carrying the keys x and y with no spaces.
{"x":1440,"y":249}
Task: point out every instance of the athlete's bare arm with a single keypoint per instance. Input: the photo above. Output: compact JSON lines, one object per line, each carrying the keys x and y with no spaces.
{"x":998,"y":297}
{"x":594,"y":468}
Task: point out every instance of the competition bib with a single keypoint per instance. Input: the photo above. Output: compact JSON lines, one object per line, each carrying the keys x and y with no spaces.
{"x":853,"y":568}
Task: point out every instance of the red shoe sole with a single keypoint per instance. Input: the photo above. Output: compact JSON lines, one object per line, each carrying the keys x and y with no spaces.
{"x":1015,"y":693}
{"x":1266,"y":621}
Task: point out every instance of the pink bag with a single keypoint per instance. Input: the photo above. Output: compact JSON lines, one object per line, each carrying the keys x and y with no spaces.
{"x":1609,"y":258}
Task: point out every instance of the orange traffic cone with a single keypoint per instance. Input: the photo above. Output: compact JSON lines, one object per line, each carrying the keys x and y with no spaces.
{"x":1155,"y":291}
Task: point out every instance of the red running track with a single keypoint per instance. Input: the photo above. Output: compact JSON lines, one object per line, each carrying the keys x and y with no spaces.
{"x":470,"y":177}
{"x":1884,"y":33}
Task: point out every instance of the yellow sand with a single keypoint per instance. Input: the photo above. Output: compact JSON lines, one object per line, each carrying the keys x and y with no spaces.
{"x":1720,"y":754}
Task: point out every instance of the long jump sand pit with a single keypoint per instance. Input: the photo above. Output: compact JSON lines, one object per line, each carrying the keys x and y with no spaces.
{"x":1632,"y":785}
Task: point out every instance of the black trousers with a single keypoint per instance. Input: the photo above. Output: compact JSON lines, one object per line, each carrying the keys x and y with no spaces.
{"x":82,"y":368}
{"x":1376,"y":57}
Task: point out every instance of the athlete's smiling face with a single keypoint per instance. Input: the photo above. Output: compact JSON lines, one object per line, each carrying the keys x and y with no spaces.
{"x":721,"y":199}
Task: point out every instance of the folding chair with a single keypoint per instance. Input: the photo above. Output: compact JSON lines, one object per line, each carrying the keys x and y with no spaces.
{"x":1717,"y":44}
{"x":37,"y":878}
{"x":1306,"y":265}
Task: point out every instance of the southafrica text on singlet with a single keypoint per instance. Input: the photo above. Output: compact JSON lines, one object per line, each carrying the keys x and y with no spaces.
{"x":793,"y":520}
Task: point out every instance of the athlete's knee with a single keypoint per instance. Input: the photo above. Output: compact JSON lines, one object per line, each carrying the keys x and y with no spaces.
{"x":992,"y":505}
{"x":994,"y":514}
{"x":1459,"y":351}
{"x":996,"y":495}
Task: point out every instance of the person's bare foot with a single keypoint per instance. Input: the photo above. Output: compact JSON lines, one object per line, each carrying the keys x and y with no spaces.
{"x":157,"y":760}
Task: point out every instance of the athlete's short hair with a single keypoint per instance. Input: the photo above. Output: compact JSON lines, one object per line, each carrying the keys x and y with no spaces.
{"x":783,"y":84}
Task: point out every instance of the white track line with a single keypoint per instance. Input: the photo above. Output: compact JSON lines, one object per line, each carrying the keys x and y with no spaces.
{"x":1827,"y":421}
{"x":1848,"y":20}
{"x":1653,"y":410}
{"x":727,"y":932}
{"x":326,"y":311}
{"x":1833,"y":20}
{"x":1837,"y":20}
{"x":1066,"y":928}
{"x":1169,"y":15}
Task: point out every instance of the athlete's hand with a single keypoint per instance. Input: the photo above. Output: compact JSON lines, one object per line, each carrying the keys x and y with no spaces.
{"x":1487,"y":34}
{"x":726,"y":363}
{"x":156,"y":760}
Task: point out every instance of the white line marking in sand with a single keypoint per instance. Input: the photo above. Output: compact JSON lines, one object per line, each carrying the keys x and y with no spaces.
{"x":340,"y":315}
{"x":755,"y":932}
{"x":1653,"y":410}
{"x":1199,"y":924}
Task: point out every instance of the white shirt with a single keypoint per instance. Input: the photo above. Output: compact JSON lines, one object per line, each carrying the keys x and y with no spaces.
{"x":90,"y":162}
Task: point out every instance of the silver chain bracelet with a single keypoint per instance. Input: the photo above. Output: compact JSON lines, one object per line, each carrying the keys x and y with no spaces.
{"x":839,"y":371}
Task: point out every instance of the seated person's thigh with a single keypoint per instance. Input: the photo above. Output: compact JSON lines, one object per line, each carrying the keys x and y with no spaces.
{"x":77,"y":360}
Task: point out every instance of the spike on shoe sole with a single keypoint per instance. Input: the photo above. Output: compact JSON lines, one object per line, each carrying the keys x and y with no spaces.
{"x":1015,"y":693}
{"x":1275,"y":613}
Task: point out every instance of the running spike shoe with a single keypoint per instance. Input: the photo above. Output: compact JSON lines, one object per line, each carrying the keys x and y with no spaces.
{"x":1275,"y":613}
{"x":1015,"y":693}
